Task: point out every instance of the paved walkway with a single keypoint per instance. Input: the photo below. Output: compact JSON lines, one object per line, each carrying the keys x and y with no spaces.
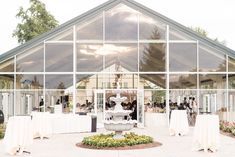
{"x":63,"y":145}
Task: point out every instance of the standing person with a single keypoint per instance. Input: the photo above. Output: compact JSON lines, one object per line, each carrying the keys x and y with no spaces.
{"x":41,"y":105}
{"x":195,"y":109}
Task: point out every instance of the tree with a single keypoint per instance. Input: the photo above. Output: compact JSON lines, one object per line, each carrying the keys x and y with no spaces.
{"x":204,"y":33}
{"x":35,"y":20}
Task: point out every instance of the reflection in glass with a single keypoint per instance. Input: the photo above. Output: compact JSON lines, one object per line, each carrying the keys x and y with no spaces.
{"x":183,"y":57}
{"x":212,"y":81}
{"x":63,"y":36}
{"x":231,"y":102}
{"x":231,"y":81}
{"x":231,"y":64}
{"x":86,"y":81}
{"x":152,"y":57}
{"x":121,"y":57}
{"x":64,"y":82}
{"x":178,"y":97}
{"x":91,"y":30}
{"x":85,"y":101}
{"x":25,"y":81}
{"x":31,"y":60}
{"x":6,"y":81}
{"x":121,"y":23}
{"x":151,"y":29}
{"x":155,"y":101}
{"x":28,"y":101}
{"x":7,"y":103}
{"x":89,"y":57}
{"x":183,"y":81}
{"x":7,"y":65}
{"x":109,"y":81}
{"x":59,"y":57}
{"x":59,"y":101}
{"x":210,"y":60}
{"x":152,"y":81}
{"x":175,"y":34}
{"x":212,"y":101}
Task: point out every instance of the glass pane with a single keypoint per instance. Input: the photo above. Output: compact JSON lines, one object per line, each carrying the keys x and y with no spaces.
{"x":183,"y":57}
{"x":152,"y":81}
{"x":231,"y":81}
{"x":231,"y":64}
{"x":176,"y":34}
{"x":87,"y":81}
{"x":63,"y":36}
{"x":89,"y":57}
{"x":59,"y":101}
{"x":212,"y":101}
{"x":7,"y":66}
{"x":85,"y":101}
{"x":152,"y":57}
{"x":31,"y":60}
{"x":155,"y":101}
{"x":64,"y":82}
{"x":59,"y":57}
{"x":183,"y":81}
{"x":6,"y":82}
{"x":231,"y":102}
{"x":212,"y":81}
{"x":91,"y":30}
{"x":180,"y":97}
{"x":109,"y":81}
{"x":29,"y":81}
{"x":121,"y":57}
{"x":121,"y":23}
{"x":7,"y":104}
{"x":28,"y":101}
{"x":211,"y":60}
{"x":151,"y":29}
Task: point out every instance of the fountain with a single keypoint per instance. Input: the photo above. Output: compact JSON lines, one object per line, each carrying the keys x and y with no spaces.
{"x":118,"y":123}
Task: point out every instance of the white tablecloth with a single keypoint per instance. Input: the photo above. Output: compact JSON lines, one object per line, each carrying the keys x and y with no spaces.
{"x":42,"y":126}
{"x":18,"y":134}
{"x":70,"y":123}
{"x":179,"y":123}
{"x":206,"y":133}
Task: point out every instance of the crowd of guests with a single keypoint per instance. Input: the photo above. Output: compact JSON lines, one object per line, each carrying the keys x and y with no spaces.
{"x":156,"y":107}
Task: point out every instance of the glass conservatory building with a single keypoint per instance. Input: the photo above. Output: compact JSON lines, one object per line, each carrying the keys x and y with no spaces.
{"x":157,"y":62}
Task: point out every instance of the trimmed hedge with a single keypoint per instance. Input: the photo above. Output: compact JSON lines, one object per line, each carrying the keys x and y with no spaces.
{"x":106,"y":140}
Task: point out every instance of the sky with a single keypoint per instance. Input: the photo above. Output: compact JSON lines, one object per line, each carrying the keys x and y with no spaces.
{"x":217,"y":17}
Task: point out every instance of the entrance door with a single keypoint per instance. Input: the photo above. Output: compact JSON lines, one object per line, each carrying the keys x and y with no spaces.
{"x":206,"y":103}
{"x":100,"y":105}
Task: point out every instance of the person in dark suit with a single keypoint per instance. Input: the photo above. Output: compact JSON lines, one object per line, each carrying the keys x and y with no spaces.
{"x":41,"y":103}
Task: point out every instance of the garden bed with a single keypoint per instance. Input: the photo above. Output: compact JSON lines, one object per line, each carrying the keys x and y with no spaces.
{"x":227,"y":128}
{"x":106,"y":141}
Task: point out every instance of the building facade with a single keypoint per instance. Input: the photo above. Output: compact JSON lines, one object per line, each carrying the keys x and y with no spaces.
{"x":157,"y":61}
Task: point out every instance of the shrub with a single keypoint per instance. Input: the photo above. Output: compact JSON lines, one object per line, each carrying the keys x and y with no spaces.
{"x":102,"y":140}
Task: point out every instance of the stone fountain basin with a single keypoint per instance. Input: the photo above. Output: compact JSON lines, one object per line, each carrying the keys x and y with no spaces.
{"x":118,"y":112}
{"x":120,"y":125}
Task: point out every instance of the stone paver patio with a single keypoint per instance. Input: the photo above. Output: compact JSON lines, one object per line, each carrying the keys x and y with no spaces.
{"x":63,"y":145}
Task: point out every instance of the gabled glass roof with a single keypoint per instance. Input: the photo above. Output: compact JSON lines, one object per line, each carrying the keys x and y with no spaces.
{"x":118,"y":28}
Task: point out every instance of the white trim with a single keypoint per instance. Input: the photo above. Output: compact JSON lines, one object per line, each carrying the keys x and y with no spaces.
{"x":74,"y":68}
{"x":167,"y":77}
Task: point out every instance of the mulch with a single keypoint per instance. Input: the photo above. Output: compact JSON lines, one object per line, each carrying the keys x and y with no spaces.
{"x":140,"y":146}
{"x":227,"y":134}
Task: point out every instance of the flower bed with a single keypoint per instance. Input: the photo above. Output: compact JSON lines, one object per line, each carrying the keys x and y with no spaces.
{"x":106,"y":140}
{"x":1,"y":131}
{"x":227,"y":127}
